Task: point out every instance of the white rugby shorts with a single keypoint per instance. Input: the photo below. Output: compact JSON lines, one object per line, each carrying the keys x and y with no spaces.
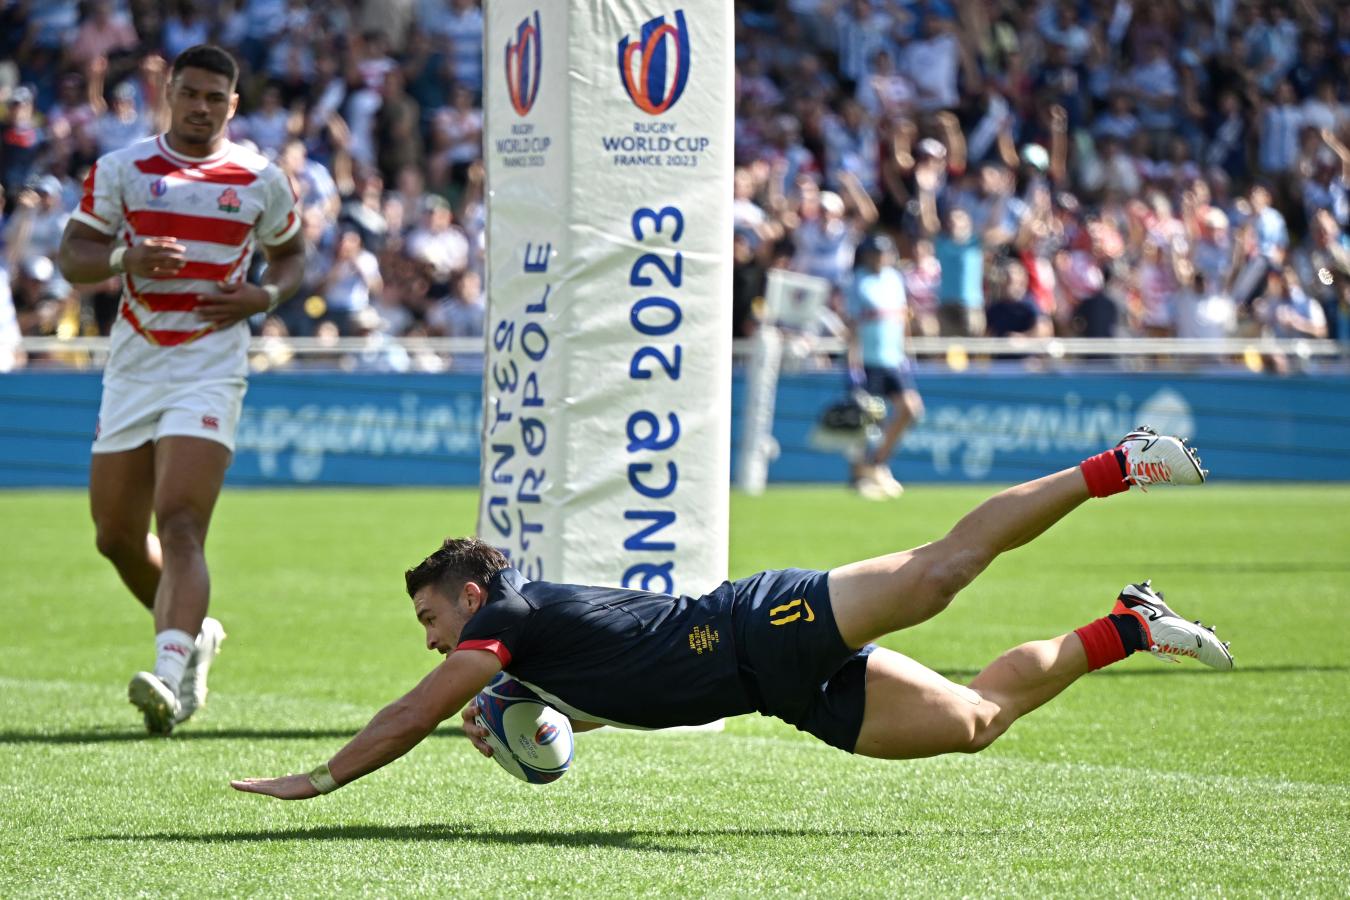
{"x":134,"y":412}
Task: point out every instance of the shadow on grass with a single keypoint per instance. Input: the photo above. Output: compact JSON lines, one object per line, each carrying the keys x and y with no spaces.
{"x":1229,"y":567}
{"x":1171,"y":672}
{"x":223,"y":734}
{"x":648,"y":840}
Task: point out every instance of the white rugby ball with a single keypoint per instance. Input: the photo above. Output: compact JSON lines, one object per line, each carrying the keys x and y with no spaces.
{"x":529,"y":738}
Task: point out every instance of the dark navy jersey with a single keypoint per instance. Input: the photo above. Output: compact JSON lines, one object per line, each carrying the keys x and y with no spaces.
{"x":616,"y":656}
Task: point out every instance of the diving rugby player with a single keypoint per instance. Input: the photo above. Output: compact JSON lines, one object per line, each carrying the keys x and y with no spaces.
{"x":794,"y":644}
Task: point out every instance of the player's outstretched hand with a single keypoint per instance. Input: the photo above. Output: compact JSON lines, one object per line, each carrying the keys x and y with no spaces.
{"x":233,"y":302}
{"x":288,"y":787}
{"x":475,"y":732}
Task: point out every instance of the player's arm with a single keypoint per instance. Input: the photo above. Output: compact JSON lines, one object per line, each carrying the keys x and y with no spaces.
{"x":235,"y":301}
{"x":87,"y":256}
{"x":395,"y":730}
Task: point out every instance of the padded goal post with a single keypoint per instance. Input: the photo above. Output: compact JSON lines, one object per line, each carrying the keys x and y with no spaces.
{"x":606,"y":417}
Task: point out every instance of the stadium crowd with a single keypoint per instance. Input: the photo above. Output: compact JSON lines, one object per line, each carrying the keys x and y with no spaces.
{"x":1072,"y":167}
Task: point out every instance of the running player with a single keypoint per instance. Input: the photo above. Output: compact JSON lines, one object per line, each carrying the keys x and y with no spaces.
{"x":878,"y":318}
{"x":794,"y":644}
{"x":178,"y":217}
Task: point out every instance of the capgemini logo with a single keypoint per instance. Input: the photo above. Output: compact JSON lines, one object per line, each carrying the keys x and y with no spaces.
{"x":523,"y":56}
{"x":656,"y":68}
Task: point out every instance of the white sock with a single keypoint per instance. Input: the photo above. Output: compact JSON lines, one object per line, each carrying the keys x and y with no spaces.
{"x":172,"y":649}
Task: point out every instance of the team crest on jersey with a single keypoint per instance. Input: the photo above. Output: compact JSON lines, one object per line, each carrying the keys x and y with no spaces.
{"x":159,"y":188}
{"x":229,"y":201}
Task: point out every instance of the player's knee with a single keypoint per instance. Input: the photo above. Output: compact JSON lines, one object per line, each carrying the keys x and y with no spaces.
{"x":984,"y":728}
{"x":118,"y":543}
{"x":948,"y":572}
{"x":180,"y":532}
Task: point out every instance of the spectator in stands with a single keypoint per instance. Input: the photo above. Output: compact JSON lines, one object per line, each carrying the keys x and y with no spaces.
{"x":104,"y":33}
{"x":271,"y":126}
{"x":21,"y":142}
{"x":348,"y":286}
{"x":960,"y":254}
{"x":310,"y":180}
{"x":456,"y":140}
{"x":1014,"y":310}
{"x":844,"y":107}
{"x":119,"y":124}
{"x":464,"y":312}
{"x":34,"y":230}
{"x":439,"y":245}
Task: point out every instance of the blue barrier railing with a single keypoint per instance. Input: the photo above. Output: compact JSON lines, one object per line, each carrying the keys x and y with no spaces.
{"x":364,"y":429}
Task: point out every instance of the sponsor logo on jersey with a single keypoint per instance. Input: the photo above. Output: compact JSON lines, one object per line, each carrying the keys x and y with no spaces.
{"x":229,"y":201}
{"x":211,"y":422}
{"x":655,"y":68}
{"x":523,"y":59}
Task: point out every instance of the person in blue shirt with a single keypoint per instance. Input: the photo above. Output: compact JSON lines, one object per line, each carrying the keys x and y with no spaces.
{"x":795,"y":644}
{"x":878,"y":318}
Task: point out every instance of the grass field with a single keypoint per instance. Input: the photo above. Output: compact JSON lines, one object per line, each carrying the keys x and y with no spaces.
{"x":1147,"y":779}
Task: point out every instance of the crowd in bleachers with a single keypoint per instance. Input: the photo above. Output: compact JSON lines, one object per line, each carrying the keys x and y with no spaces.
{"x":1070,"y":167}
{"x":1073,"y":167}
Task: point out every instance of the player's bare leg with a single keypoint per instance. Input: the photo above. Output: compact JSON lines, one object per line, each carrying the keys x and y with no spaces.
{"x":189,"y":472}
{"x":121,"y":498}
{"x":884,"y":594}
{"x":877,"y":596}
{"x":912,"y":711}
{"x":906,"y":408}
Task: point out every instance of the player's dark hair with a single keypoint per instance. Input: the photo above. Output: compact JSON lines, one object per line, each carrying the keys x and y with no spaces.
{"x":210,"y":58}
{"x":458,"y":560}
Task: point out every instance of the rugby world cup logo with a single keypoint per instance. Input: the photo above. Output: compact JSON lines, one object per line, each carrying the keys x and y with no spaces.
{"x":523,"y":57}
{"x":655,"y":68}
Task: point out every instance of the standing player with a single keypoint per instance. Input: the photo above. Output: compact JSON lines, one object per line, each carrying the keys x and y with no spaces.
{"x":878,"y":318}
{"x":178,"y":217}
{"x":793,"y":644}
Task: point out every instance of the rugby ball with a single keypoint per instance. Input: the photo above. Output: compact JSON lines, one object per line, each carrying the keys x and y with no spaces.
{"x":529,"y":739}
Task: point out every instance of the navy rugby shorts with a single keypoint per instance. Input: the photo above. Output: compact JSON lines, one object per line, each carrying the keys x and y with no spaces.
{"x":793,"y":662}
{"x":887,"y":381}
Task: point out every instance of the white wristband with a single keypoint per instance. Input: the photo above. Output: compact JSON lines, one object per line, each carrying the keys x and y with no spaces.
{"x":115,"y":260}
{"x":273,"y":296}
{"x":322,"y":780}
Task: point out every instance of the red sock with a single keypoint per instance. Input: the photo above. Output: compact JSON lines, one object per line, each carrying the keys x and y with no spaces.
{"x":1102,"y":643}
{"x":1105,"y":473}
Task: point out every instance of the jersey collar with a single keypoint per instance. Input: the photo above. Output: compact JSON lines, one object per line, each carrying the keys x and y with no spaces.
{"x":177,"y":157}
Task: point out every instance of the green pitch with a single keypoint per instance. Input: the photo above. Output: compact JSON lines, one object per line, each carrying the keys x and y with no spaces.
{"x":1147,"y":779}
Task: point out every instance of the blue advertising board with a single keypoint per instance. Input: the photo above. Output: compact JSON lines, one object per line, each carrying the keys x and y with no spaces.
{"x":315,"y":428}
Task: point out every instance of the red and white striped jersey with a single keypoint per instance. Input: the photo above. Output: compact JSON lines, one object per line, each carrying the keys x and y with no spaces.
{"x":218,"y":207}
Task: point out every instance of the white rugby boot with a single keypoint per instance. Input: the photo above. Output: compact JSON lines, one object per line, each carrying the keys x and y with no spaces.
{"x":1160,"y":459}
{"x":885,"y":478}
{"x":192,"y":689}
{"x":157,"y":703}
{"x":1169,"y":635}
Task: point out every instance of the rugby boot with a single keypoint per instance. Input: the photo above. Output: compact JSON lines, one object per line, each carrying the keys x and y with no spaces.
{"x":1154,"y":458}
{"x":1167,"y":634}
{"x":192,"y":689}
{"x":157,"y":703}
